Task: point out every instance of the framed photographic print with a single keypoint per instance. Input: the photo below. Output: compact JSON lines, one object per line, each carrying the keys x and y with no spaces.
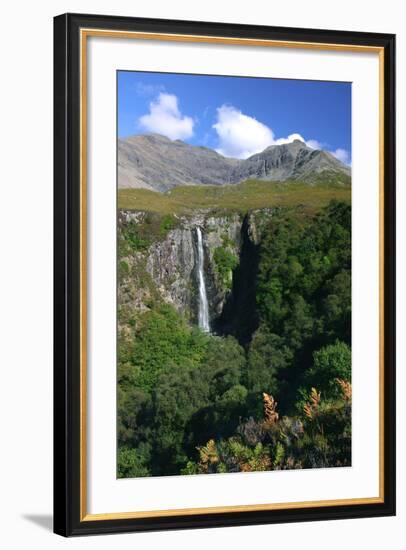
{"x":224,"y":274}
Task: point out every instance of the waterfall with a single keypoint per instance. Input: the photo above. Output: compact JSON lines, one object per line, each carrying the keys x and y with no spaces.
{"x":203,"y":316}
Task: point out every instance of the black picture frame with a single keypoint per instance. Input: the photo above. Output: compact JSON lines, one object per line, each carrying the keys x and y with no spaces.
{"x":67,"y":288}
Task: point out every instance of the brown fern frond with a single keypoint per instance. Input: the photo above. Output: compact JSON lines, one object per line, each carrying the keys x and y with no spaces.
{"x":310,"y":407}
{"x":346,"y":388}
{"x":307,"y":409}
{"x":315,"y":398}
{"x":208,"y":453}
{"x":270,"y":414}
{"x":261,"y":464}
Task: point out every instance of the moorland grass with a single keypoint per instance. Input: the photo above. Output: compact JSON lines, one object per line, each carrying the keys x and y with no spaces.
{"x":249,"y":195}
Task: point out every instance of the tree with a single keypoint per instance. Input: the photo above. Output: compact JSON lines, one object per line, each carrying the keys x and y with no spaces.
{"x":330,"y":363}
{"x":132,"y":462}
{"x":267,"y":357}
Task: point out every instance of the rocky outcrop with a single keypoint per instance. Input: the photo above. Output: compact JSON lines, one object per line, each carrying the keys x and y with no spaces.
{"x":165,"y":269}
{"x":157,"y":163}
{"x":171,"y":264}
{"x":291,"y":161}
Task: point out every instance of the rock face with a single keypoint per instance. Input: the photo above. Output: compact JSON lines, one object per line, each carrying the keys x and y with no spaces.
{"x":166,"y":270}
{"x":292,"y":161}
{"x":157,"y":163}
{"x":171,"y":264}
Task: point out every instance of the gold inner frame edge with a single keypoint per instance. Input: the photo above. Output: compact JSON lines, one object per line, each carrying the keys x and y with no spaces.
{"x":173,"y":37}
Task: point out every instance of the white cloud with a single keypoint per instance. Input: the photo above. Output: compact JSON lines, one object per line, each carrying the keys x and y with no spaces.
{"x":241,"y":136}
{"x":342,"y":155}
{"x":289,"y":139}
{"x":314,"y":144}
{"x":165,"y":118}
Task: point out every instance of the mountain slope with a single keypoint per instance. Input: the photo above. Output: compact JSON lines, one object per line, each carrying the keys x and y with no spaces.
{"x":157,"y":163}
{"x":291,"y":161}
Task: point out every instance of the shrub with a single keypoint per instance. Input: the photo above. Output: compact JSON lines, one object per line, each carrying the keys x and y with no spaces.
{"x":225,"y":262}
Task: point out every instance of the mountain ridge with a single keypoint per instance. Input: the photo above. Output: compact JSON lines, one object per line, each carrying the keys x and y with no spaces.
{"x":154,"y":162}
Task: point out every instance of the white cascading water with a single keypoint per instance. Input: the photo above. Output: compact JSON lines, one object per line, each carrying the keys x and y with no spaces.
{"x":203,"y":317}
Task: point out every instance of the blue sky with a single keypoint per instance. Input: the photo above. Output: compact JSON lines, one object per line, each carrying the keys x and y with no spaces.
{"x":237,"y":116}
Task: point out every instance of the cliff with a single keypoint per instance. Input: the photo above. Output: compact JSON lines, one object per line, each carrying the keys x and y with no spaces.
{"x":158,"y":260}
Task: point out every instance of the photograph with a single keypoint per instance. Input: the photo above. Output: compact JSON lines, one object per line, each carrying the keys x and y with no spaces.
{"x":224,"y":255}
{"x":233,"y":274}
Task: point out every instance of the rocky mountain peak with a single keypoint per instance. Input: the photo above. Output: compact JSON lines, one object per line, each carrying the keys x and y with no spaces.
{"x":155,"y":162}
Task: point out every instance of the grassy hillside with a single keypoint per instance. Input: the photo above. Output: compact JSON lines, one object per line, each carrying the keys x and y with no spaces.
{"x":245,"y":196}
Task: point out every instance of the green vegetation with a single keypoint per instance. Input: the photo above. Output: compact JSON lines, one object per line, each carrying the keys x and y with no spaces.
{"x":168,"y":222}
{"x":245,"y":196}
{"x":161,"y":340}
{"x":170,"y":377}
{"x":319,"y":436}
{"x":191,"y":402}
{"x":139,"y":236}
{"x":225,"y":262}
{"x":331,"y":363}
{"x":303,"y":292}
